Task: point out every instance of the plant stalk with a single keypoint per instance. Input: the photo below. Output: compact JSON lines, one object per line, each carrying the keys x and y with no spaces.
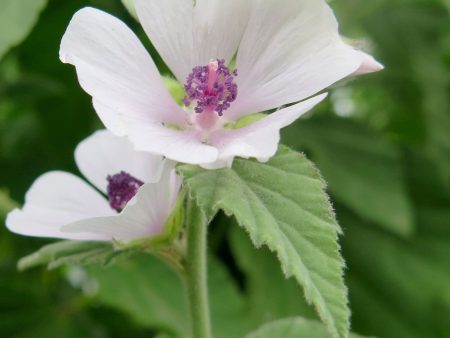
{"x":196,"y":271}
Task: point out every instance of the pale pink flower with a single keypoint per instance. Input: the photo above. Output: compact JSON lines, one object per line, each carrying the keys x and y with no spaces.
{"x":136,"y":193}
{"x":286,"y":52}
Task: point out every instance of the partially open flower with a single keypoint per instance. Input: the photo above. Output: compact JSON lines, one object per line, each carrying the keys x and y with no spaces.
{"x":284,"y":54}
{"x":139,"y":192}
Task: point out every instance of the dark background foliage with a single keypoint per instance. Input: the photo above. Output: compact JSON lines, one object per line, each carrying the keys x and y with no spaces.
{"x":381,"y":141}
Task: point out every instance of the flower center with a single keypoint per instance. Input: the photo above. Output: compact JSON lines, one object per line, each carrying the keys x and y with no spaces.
{"x":121,"y":189}
{"x":211,"y":87}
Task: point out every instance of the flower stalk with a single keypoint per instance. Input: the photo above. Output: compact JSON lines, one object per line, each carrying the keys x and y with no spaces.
{"x":196,"y":271}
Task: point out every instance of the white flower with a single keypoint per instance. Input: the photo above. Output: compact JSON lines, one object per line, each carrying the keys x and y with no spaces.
{"x":286,"y":51}
{"x":61,"y":205}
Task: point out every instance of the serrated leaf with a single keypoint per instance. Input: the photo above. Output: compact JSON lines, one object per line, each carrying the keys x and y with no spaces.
{"x":17,"y":18}
{"x":69,"y":252}
{"x":282,"y":204}
{"x":263,"y":277}
{"x":293,"y":328}
{"x":362,"y":170}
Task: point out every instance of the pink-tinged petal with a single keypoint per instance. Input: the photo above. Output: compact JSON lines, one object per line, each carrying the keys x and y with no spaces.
{"x":368,"y":65}
{"x":187,"y":36}
{"x":181,"y":146}
{"x":56,"y":199}
{"x":260,"y":139}
{"x":144,"y":216}
{"x":115,"y":69}
{"x":288,"y":53}
{"x":103,"y":154}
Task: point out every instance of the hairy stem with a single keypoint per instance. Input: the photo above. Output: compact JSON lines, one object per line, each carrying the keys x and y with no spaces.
{"x":196,"y":272}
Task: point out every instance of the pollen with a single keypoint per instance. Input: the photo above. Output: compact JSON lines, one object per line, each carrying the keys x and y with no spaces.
{"x":122,"y":187}
{"x":211,"y":87}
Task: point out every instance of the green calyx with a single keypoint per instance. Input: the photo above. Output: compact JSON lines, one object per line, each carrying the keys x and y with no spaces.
{"x":175,"y":89}
{"x":245,"y":121}
{"x":170,"y":231}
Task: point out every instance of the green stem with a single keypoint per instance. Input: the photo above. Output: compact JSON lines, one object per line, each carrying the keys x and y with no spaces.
{"x":196,"y":272}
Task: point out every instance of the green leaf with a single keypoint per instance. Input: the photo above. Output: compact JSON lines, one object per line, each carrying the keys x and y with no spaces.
{"x":153,"y":295}
{"x":70,"y":252}
{"x":263,"y":277}
{"x":282,"y":204}
{"x":17,"y":18}
{"x":362,"y":170}
{"x":293,"y":328}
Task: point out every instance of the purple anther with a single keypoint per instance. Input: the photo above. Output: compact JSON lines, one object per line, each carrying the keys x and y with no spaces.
{"x":211,"y":87}
{"x":121,"y":189}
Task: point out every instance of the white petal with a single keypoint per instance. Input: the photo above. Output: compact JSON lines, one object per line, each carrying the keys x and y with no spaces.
{"x":368,"y":65}
{"x":288,"y":53}
{"x":112,"y":119}
{"x":168,"y":24}
{"x":260,"y":139}
{"x":187,"y":36}
{"x":144,"y":216}
{"x":218,"y":28}
{"x":180,"y":146}
{"x":115,"y":69}
{"x":103,"y":154}
{"x":55,"y":199}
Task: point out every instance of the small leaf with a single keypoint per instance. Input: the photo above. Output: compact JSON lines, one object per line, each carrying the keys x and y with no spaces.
{"x":293,"y":328}
{"x":17,"y":18}
{"x":69,"y":252}
{"x":282,"y":204}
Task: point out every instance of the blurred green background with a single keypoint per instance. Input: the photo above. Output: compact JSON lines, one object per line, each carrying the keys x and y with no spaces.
{"x":381,"y":141}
